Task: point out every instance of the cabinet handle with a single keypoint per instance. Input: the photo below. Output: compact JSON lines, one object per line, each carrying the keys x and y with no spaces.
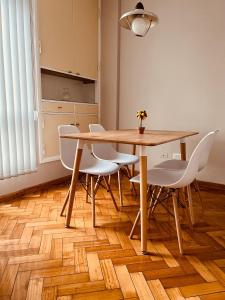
{"x":77,"y":73}
{"x":77,"y":124}
{"x":59,"y":107}
{"x":70,"y":72}
{"x":72,"y":124}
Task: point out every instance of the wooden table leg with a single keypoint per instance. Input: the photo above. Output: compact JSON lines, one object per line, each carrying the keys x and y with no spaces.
{"x":183,"y":149}
{"x":74,"y":179}
{"x":143,"y":198}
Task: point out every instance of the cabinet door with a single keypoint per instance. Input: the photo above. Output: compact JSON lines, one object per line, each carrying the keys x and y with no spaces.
{"x":86,"y":37}
{"x":83,"y":121}
{"x":56,"y":29}
{"x":50,"y":131}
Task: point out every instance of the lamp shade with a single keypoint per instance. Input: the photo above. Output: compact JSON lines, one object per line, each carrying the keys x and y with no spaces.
{"x":139,"y":21}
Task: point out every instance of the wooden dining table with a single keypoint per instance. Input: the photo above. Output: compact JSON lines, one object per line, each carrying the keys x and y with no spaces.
{"x":150,"y":138}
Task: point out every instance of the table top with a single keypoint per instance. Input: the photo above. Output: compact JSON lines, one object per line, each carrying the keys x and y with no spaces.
{"x":132,"y":137}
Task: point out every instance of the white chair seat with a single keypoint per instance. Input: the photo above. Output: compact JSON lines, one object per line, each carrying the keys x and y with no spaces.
{"x":172,"y":164}
{"x":101,"y":168}
{"x":91,"y":165}
{"x":124,"y":159}
{"x":161,"y":177}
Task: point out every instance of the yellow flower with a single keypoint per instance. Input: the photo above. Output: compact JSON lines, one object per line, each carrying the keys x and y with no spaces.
{"x":142,"y":114}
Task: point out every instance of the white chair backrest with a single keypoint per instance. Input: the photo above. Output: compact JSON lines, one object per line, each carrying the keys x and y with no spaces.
{"x":102,"y":150}
{"x":205,"y":155}
{"x":67,"y":148}
{"x":202,"y":150}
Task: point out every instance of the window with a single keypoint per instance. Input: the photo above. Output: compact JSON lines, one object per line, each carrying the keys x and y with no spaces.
{"x":17,"y":119}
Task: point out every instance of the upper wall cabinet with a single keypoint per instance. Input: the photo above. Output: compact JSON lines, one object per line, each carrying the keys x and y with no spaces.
{"x":68,"y":33}
{"x":86,"y":36}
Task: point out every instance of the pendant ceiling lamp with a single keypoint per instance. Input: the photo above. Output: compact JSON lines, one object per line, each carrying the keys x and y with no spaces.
{"x":139,"y":21}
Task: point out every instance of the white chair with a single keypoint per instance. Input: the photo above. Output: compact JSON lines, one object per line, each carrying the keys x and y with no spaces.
{"x":174,"y":164}
{"x":180,"y":178}
{"x":107,"y":152}
{"x":89,"y":165}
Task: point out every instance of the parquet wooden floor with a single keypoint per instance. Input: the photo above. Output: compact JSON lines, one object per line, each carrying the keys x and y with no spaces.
{"x":41,"y":259}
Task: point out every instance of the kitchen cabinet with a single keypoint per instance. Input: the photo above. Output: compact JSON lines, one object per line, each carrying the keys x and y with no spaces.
{"x":55,"y":113}
{"x":86,"y":37}
{"x":56,"y":30}
{"x":68,"y":33}
{"x":83,"y":121}
{"x":51,"y":121}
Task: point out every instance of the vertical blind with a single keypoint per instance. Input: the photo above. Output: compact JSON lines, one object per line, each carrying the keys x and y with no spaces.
{"x":17,"y":124}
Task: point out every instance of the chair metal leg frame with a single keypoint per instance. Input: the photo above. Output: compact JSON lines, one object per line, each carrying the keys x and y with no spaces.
{"x":97,"y":184}
{"x":109,"y":190}
{"x":87,"y":193}
{"x":94,"y":189}
{"x":65,"y":203}
{"x":120,"y":188}
{"x":176,"y":214}
{"x":135,"y":224}
{"x":111,"y":194}
{"x":182,"y":202}
{"x":196,"y":186}
{"x":129,"y":177}
{"x":150,"y":195}
{"x":156,"y":200}
{"x":105,"y":183}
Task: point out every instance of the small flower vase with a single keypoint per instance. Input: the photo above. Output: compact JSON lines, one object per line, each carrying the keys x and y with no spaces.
{"x":141,"y":130}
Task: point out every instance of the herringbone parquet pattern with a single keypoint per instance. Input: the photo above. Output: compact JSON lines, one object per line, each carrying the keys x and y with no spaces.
{"x":40,"y":259}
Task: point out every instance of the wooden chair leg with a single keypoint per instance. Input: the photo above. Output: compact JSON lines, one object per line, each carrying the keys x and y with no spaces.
{"x":190,"y":202}
{"x":135,"y":224}
{"x":176,"y":214}
{"x":65,"y":203}
{"x":120,"y":188}
{"x":93,"y":200}
{"x":87,"y":187}
{"x":111,"y":194}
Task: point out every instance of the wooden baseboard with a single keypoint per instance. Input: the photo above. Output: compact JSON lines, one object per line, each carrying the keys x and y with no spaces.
{"x":211,"y":186}
{"x":202,"y":184}
{"x":35,"y":188}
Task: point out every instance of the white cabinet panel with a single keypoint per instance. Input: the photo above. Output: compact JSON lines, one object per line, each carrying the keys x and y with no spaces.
{"x":50,"y":131}
{"x":56,"y":30}
{"x":68,"y":33}
{"x":83,"y":121}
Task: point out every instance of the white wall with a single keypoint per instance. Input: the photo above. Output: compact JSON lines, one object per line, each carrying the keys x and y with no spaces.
{"x":177,"y":73}
{"x":45,"y":172}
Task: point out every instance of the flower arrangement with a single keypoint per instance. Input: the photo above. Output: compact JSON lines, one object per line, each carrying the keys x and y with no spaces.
{"x":141,"y":115}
